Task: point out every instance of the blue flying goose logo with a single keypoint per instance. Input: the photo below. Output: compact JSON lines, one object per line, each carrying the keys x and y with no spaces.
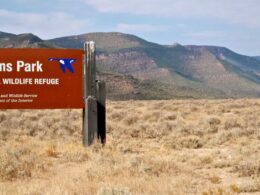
{"x":65,"y":63}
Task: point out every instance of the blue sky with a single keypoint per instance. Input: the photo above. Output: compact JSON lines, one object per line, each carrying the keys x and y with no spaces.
{"x":231,"y":23}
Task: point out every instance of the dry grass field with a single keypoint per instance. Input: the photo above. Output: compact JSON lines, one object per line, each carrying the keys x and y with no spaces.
{"x":177,"y":147}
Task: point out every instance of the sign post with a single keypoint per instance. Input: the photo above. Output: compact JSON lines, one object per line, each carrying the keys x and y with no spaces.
{"x":90,"y":110}
{"x":101,"y":107}
{"x":94,"y":122}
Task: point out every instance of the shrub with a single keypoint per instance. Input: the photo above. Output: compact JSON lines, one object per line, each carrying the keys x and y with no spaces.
{"x":20,"y":163}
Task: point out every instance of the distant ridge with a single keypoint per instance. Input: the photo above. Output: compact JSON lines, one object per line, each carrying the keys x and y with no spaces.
{"x":24,"y":40}
{"x":145,"y":70}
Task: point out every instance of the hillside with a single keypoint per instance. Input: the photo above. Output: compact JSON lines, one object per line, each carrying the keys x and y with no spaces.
{"x":145,"y":70}
{"x":198,"y":67}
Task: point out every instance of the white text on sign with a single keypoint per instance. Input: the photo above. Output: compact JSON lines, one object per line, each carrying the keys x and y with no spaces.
{"x":22,"y":66}
{"x":30,"y":81}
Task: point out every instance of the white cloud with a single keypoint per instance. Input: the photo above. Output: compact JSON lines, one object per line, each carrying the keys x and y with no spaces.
{"x":244,"y":12}
{"x":47,"y":25}
{"x":137,"y":28}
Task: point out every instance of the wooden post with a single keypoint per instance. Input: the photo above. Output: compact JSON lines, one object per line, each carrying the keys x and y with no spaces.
{"x":101,"y":110}
{"x":90,"y":110}
{"x":90,"y":121}
{"x":90,"y":53}
{"x":94,"y":112}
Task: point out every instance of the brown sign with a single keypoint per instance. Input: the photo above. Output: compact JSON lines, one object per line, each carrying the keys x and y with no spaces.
{"x":41,"y":78}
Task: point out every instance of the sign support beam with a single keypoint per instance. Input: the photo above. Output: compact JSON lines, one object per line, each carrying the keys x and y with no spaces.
{"x":101,"y":109}
{"x":94,"y":121}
